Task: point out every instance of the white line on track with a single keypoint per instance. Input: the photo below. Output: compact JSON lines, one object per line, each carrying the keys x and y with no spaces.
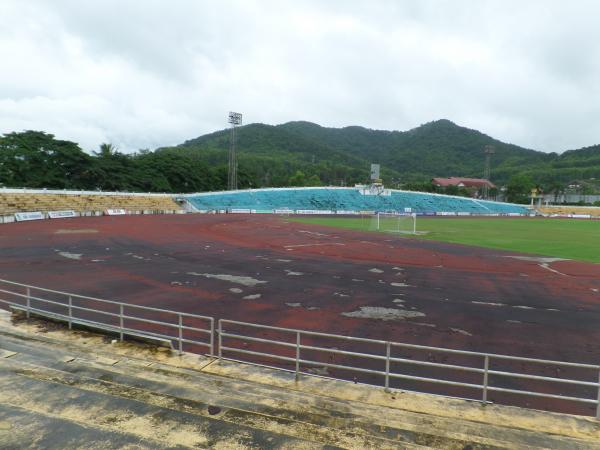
{"x":312,"y":245}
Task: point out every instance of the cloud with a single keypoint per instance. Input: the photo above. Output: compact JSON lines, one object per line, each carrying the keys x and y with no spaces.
{"x":149,"y":74}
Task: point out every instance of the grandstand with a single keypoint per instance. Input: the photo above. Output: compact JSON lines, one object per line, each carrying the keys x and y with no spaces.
{"x":272,"y":200}
{"x":570,"y":211}
{"x":400,"y":319}
{"x":20,"y":200}
{"x":332,"y":199}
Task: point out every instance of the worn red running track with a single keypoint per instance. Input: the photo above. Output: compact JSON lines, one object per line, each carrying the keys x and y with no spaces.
{"x":308,"y":276}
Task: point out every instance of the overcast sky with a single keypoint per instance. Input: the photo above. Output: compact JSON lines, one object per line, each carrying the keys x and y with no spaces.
{"x":144,"y":74}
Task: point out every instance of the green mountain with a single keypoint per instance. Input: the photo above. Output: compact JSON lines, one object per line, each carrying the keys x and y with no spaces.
{"x":296,"y":154}
{"x":271,"y":154}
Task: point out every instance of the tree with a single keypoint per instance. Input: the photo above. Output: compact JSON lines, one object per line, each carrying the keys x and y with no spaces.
{"x":298,"y":179}
{"x":36,"y":159}
{"x":111,"y":170}
{"x":106,"y":150}
{"x":314,"y":181}
{"x":518,"y":188}
{"x":451,"y":190}
{"x":164,"y":172}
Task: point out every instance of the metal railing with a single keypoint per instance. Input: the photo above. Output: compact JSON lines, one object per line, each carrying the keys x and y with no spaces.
{"x":295,"y":347}
{"x":126,"y":319}
{"x":298,"y":349}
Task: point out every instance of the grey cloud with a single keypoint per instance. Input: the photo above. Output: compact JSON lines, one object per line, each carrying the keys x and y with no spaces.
{"x":148,"y":74}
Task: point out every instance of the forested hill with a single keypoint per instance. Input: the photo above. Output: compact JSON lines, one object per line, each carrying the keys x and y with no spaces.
{"x":292,"y":154}
{"x":337,"y":155}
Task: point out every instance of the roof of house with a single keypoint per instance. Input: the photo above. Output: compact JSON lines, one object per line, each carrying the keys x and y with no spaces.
{"x":466,"y":182}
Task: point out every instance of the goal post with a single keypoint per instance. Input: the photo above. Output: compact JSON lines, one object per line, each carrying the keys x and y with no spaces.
{"x":395,"y":222}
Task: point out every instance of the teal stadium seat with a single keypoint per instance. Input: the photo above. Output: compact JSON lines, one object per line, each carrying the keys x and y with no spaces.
{"x":347,"y":199}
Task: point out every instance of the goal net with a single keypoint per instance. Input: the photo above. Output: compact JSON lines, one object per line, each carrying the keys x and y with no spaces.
{"x":394,"y":223}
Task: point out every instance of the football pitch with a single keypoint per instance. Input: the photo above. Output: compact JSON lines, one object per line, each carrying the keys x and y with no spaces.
{"x":560,"y":238}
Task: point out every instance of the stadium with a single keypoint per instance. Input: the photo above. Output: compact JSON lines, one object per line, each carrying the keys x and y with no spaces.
{"x":318,"y":225}
{"x":244,"y":276}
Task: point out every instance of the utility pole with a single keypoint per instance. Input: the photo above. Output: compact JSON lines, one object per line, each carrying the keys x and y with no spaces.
{"x":489,"y":151}
{"x":235,"y":119}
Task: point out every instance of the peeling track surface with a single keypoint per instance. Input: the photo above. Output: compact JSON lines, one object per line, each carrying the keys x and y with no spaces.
{"x":267,"y":270}
{"x":73,"y":390}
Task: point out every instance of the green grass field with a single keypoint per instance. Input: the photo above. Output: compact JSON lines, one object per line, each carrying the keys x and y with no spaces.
{"x":561,"y":238}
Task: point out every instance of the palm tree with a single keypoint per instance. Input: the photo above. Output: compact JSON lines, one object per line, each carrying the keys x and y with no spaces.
{"x":106,"y":150}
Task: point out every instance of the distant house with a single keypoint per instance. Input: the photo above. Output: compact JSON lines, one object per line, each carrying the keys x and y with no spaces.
{"x":476,"y":183}
{"x":473,"y":186}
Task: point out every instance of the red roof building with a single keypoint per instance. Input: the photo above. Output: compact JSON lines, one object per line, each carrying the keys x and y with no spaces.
{"x":463,"y":182}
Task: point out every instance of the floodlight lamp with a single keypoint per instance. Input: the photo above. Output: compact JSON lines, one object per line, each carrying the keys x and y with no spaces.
{"x":235,"y":118}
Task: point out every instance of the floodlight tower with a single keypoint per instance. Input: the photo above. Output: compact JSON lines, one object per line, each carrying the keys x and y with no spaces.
{"x":489,"y":151}
{"x":235,"y":119}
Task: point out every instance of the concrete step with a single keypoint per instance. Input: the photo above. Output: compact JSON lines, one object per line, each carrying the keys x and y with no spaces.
{"x":42,"y":394}
{"x":34,"y":378}
{"x":326,"y":420}
{"x":195,"y":401}
{"x":198,"y":391}
{"x":22,"y":428}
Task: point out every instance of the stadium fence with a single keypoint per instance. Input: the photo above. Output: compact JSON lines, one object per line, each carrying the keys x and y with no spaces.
{"x":124,"y":319}
{"x":296,"y":349}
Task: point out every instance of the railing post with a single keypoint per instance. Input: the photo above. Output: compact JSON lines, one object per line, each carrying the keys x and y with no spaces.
{"x":70,"y":313}
{"x":387,"y":366}
{"x":212,"y":337}
{"x":28,"y":302}
{"x":220,"y":338}
{"x":297,"y":376}
{"x":486,"y":367}
{"x":121,"y":321}
{"x":180,"y":334}
{"x":598,"y":404}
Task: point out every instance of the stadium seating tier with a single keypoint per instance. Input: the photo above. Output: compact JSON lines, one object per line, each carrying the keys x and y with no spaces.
{"x":348,"y":199}
{"x":567,"y":210}
{"x":11,"y":203}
